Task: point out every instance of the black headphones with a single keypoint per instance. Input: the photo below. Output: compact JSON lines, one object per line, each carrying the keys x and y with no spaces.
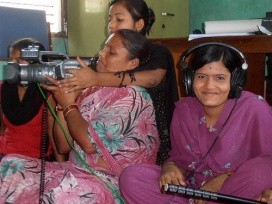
{"x":238,"y":75}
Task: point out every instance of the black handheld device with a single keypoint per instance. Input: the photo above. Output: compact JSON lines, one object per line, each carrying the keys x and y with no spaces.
{"x":195,"y":193}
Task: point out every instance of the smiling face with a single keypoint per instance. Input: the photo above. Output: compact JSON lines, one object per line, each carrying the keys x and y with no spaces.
{"x":115,"y":57}
{"x":212,"y":84}
{"x":120,"y":18}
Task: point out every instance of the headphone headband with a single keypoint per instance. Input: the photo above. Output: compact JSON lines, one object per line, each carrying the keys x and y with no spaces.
{"x":189,"y":51}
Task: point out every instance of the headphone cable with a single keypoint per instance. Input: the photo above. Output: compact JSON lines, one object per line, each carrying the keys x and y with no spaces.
{"x":214,"y":142}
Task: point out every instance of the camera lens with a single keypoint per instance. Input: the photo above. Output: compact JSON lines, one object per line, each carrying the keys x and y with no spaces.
{"x":36,"y":73}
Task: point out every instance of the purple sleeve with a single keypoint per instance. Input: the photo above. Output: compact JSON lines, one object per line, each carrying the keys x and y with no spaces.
{"x":183,"y":134}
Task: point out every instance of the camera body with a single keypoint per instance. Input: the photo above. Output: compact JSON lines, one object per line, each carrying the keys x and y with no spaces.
{"x":42,"y":64}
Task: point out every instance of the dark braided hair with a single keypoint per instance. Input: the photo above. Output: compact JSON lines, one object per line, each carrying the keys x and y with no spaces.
{"x":138,"y":9}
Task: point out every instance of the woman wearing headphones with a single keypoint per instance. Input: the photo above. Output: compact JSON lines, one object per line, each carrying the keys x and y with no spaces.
{"x":220,"y":135}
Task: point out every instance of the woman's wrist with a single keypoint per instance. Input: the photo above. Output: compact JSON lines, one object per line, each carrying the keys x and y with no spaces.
{"x":168,"y":163}
{"x":97,"y":79}
{"x":61,"y":107}
{"x":69,"y":108}
{"x":172,"y":163}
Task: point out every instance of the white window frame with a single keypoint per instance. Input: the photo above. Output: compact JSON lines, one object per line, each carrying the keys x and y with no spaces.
{"x":55,"y":12}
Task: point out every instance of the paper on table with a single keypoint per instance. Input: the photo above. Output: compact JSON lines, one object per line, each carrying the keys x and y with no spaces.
{"x":232,"y":26}
{"x":196,"y":36}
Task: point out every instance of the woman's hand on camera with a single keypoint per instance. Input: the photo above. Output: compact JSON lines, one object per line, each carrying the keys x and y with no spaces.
{"x":60,"y":93}
{"x":81,"y":78}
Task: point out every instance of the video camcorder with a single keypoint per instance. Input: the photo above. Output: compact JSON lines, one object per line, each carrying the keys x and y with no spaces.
{"x":43,"y":63}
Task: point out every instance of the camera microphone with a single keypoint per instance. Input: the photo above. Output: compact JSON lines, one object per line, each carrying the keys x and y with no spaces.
{"x":207,"y":195}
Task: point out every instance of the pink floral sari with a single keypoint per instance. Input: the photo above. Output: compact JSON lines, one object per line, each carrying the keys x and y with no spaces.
{"x":122,"y":127}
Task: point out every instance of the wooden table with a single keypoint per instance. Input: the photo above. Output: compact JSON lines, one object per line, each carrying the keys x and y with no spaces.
{"x":254,"y":47}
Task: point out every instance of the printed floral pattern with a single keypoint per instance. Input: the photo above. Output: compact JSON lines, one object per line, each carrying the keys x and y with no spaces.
{"x":122,"y":126}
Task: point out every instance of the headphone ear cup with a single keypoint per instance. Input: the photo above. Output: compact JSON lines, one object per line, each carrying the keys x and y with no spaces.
{"x":188,"y":80}
{"x":238,"y":80}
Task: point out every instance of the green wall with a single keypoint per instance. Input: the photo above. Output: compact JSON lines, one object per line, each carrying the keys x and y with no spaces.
{"x":2,"y":63}
{"x":60,"y":45}
{"x":87,"y":28}
{"x":209,"y":10}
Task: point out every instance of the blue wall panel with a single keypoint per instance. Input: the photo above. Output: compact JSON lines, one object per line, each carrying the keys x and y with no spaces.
{"x":20,"y":23}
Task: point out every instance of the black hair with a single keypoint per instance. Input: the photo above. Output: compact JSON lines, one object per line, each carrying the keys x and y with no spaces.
{"x":138,"y":9}
{"x":212,"y":53}
{"x":136,"y":44}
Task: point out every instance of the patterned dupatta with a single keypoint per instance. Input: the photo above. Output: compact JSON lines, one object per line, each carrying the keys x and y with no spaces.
{"x":115,"y":167}
{"x":121,"y":125}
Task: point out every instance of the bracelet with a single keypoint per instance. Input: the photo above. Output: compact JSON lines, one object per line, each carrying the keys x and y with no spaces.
{"x":69,"y":108}
{"x":132,"y":76}
{"x":121,"y":75}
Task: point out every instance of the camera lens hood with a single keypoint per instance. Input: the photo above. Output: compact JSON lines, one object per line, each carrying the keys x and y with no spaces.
{"x":12,"y":73}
